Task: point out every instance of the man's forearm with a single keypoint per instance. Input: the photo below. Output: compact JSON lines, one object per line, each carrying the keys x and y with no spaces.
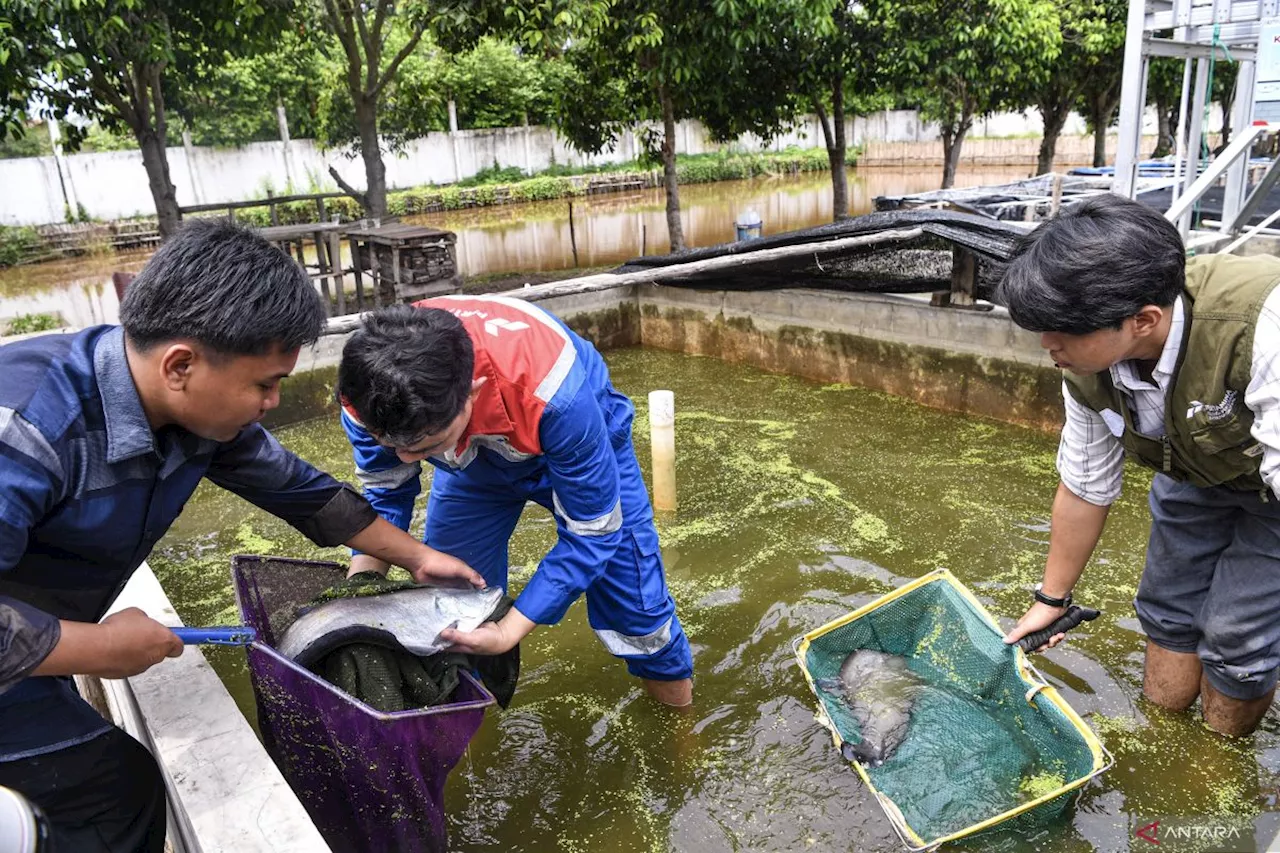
{"x":383,"y":544}
{"x":124,"y":644}
{"x":367,"y":563}
{"x":1075,"y":529}
{"x":81,"y":650}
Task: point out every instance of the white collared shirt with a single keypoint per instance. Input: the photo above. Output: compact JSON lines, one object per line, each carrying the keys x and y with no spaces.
{"x":1090,"y":456}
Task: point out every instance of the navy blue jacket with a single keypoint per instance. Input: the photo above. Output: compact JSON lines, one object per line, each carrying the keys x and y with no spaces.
{"x":87,"y":489}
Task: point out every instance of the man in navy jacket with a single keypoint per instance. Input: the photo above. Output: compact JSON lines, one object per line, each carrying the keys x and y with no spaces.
{"x":104,"y":435}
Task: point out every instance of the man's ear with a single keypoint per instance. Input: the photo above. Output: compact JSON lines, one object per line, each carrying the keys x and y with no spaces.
{"x":1148,"y":320}
{"x":176,"y":364}
{"x":477,"y":384}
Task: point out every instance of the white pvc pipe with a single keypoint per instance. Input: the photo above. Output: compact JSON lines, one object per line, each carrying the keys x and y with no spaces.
{"x":662,"y":437}
{"x":1251,"y":233}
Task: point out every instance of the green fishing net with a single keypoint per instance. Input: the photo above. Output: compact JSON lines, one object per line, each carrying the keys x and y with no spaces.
{"x":977,"y":753}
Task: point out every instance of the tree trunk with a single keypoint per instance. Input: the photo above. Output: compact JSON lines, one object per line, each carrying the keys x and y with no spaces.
{"x":1100,"y":144}
{"x":1055,"y":118}
{"x":952,"y":139}
{"x":1103,"y":104}
{"x":674,"y":228}
{"x":375,"y":196}
{"x":1165,"y":122}
{"x":834,"y":140}
{"x":839,"y":178}
{"x":1228,"y":103}
{"x":148,"y":125}
{"x":155,"y":161}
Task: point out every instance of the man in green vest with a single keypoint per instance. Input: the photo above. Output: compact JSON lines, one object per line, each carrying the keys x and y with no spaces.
{"x":1175,"y":364}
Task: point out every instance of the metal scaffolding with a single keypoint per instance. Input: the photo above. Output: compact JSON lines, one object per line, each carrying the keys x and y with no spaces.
{"x":1204,"y":31}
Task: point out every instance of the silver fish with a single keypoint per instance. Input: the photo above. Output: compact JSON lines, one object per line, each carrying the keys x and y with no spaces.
{"x":880,"y":691}
{"x":411,"y":619}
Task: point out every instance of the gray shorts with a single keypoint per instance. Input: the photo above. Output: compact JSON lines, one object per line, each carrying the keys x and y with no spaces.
{"x":1211,"y":585}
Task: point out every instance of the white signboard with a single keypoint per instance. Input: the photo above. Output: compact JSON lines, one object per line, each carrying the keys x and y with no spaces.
{"x":1266,"y":92}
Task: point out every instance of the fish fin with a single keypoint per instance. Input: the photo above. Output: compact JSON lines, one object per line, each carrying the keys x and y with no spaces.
{"x":862,"y":752}
{"x":829,"y":685}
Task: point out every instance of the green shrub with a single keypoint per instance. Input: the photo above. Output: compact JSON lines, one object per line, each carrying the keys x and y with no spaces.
{"x":17,"y":243}
{"x":28,"y":323}
{"x":545,"y":188}
{"x":494,"y":175}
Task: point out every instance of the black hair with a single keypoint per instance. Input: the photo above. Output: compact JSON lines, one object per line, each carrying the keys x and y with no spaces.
{"x":407,"y":373}
{"x":224,"y":287}
{"x":1094,"y":265}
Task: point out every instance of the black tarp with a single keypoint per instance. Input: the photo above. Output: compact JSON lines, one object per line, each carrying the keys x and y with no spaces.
{"x":917,"y":265}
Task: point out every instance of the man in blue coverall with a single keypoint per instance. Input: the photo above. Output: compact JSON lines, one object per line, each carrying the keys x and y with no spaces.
{"x":104,"y":435}
{"x":511,"y":406}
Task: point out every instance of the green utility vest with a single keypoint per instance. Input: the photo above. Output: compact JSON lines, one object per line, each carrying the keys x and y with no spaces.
{"x":1207,"y":439}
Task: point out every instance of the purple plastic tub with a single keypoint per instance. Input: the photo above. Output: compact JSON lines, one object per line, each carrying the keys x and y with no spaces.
{"x":372,"y":781}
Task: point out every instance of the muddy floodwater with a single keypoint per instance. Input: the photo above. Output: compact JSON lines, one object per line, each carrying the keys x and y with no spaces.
{"x":533,"y":238}
{"x":798,"y":502}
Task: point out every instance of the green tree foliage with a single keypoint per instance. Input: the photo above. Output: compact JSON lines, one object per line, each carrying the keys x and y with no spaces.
{"x":34,"y":142}
{"x":727,"y":63}
{"x":379,"y":41}
{"x":410,"y":105}
{"x":843,"y":75}
{"x":965,"y":59}
{"x":496,"y":84}
{"x":1099,"y":97}
{"x":1164,"y":90}
{"x":1224,"y":93}
{"x":235,"y":101}
{"x":116,"y":61}
{"x":375,"y":39}
{"x":1092,"y":43}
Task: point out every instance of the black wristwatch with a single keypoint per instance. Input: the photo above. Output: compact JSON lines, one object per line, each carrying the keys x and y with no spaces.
{"x":1052,"y":602}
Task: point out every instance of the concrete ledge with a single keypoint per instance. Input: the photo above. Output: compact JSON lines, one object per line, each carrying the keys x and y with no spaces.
{"x":972,"y":362}
{"x":968,"y":361}
{"x":225,"y":793}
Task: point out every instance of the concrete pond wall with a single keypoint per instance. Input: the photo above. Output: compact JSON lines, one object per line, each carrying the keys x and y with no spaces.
{"x":974,"y":362}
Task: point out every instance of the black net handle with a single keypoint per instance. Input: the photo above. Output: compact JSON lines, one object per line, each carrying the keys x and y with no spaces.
{"x":1074,"y":616}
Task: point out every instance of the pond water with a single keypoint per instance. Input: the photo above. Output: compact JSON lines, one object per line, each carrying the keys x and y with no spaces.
{"x":798,"y":502}
{"x":531,"y":238}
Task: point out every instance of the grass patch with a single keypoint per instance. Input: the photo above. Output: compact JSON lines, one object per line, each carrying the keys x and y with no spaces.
{"x":25,"y":324}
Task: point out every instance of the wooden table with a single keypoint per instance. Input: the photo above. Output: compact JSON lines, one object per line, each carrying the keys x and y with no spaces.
{"x":405,"y":262}
{"x":327,"y":237}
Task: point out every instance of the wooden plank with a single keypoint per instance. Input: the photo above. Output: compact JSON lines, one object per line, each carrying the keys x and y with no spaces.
{"x":326,"y":270}
{"x":395,"y":272}
{"x":302,"y":229}
{"x":964,"y":276}
{"x":356,"y":270}
{"x":240,"y":205}
{"x":335,"y":254}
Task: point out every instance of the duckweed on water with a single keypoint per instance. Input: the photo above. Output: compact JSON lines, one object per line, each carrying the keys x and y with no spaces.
{"x":1041,"y":784}
{"x":251,"y":542}
{"x":797,"y":503}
